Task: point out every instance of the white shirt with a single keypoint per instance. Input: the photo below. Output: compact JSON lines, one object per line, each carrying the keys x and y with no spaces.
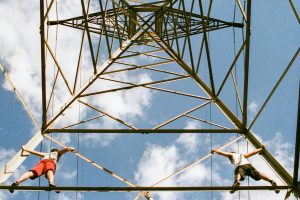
{"x":52,"y":155}
{"x":239,"y":159}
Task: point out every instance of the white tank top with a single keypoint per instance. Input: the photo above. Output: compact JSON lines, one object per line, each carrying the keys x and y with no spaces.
{"x":239,"y":159}
{"x":52,"y":155}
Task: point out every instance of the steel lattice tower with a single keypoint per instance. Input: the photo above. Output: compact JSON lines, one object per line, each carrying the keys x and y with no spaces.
{"x":172,"y":40}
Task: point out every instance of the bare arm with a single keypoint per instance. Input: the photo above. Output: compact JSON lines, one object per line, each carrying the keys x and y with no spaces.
{"x":256,"y":151}
{"x":222,"y":153}
{"x":65,"y":150}
{"x":37,"y":153}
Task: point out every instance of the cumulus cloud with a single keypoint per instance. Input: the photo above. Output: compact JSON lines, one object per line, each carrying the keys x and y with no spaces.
{"x":20,"y":51}
{"x":281,"y":150}
{"x":5,"y":154}
{"x":158,"y":162}
{"x":69,"y":196}
{"x":126,"y":103}
{"x":190,"y":141}
{"x":3,"y":195}
{"x":20,"y":55}
{"x":68,"y":174}
{"x":253,"y":107}
{"x":254,"y":195}
{"x":157,"y":157}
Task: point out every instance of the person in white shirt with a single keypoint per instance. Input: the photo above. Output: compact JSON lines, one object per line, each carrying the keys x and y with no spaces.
{"x":46,"y":166}
{"x":244,"y":168}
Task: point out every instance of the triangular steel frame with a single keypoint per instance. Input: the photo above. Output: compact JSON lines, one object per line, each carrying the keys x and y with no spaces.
{"x":145,"y":29}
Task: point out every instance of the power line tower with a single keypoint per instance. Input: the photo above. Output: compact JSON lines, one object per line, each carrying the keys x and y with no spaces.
{"x":183,"y":47}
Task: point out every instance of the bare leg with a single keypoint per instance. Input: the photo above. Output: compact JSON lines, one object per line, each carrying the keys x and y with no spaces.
{"x":236,"y":183}
{"x":273,"y":183}
{"x":265,"y":177}
{"x":237,"y":178}
{"x":50,"y":177}
{"x":25,"y":176}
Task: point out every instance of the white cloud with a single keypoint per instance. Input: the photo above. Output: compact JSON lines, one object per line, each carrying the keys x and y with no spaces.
{"x":155,"y":163}
{"x":20,"y":55}
{"x":281,"y":151}
{"x":3,"y":195}
{"x":68,"y":174}
{"x":69,"y":196}
{"x":20,"y":51}
{"x":190,"y":141}
{"x":159,"y":162}
{"x":253,"y":107}
{"x":254,"y":195}
{"x":127,"y":103}
{"x":5,"y":155}
{"x":93,"y":140}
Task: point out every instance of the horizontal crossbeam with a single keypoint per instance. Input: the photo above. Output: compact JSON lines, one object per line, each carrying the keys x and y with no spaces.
{"x":132,"y":189}
{"x":143,"y":131}
{"x":97,"y":23}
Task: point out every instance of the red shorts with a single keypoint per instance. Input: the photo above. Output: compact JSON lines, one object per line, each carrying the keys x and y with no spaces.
{"x":42,"y":167}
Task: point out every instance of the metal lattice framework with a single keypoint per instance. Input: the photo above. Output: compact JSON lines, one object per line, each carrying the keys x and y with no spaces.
{"x":163,"y":32}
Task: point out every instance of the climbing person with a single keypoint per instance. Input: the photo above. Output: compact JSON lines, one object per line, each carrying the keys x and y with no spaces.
{"x":244,"y":168}
{"x":46,"y":166}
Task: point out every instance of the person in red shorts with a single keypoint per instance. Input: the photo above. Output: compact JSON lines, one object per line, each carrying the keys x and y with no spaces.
{"x":244,"y":168}
{"x":46,"y":166}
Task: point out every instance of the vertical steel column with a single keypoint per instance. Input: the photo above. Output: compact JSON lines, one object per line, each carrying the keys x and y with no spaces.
{"x":297,"y":145}
{"x":159,"y":23}
{"x":132,"y":25}
{"x":43,"y":66}
{"x":246,"y":64}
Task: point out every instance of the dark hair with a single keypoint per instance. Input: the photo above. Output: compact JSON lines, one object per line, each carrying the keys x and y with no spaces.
{"x":54,"y":150}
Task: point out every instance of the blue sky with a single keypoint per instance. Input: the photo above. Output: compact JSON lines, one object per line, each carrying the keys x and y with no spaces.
{"x":145,"y":159}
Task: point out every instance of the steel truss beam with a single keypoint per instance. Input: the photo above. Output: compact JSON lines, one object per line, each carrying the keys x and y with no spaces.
{"x":18,"y":159}
{"x":43,"y":65}
{"x":296,"y":181}
{"x":195,"y":21}
{"x":236,"y":122}
{"x":7,"y":170}
{"x":143,"y":131}
{"x":140,"y":188}
{"x":146,"y":28}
